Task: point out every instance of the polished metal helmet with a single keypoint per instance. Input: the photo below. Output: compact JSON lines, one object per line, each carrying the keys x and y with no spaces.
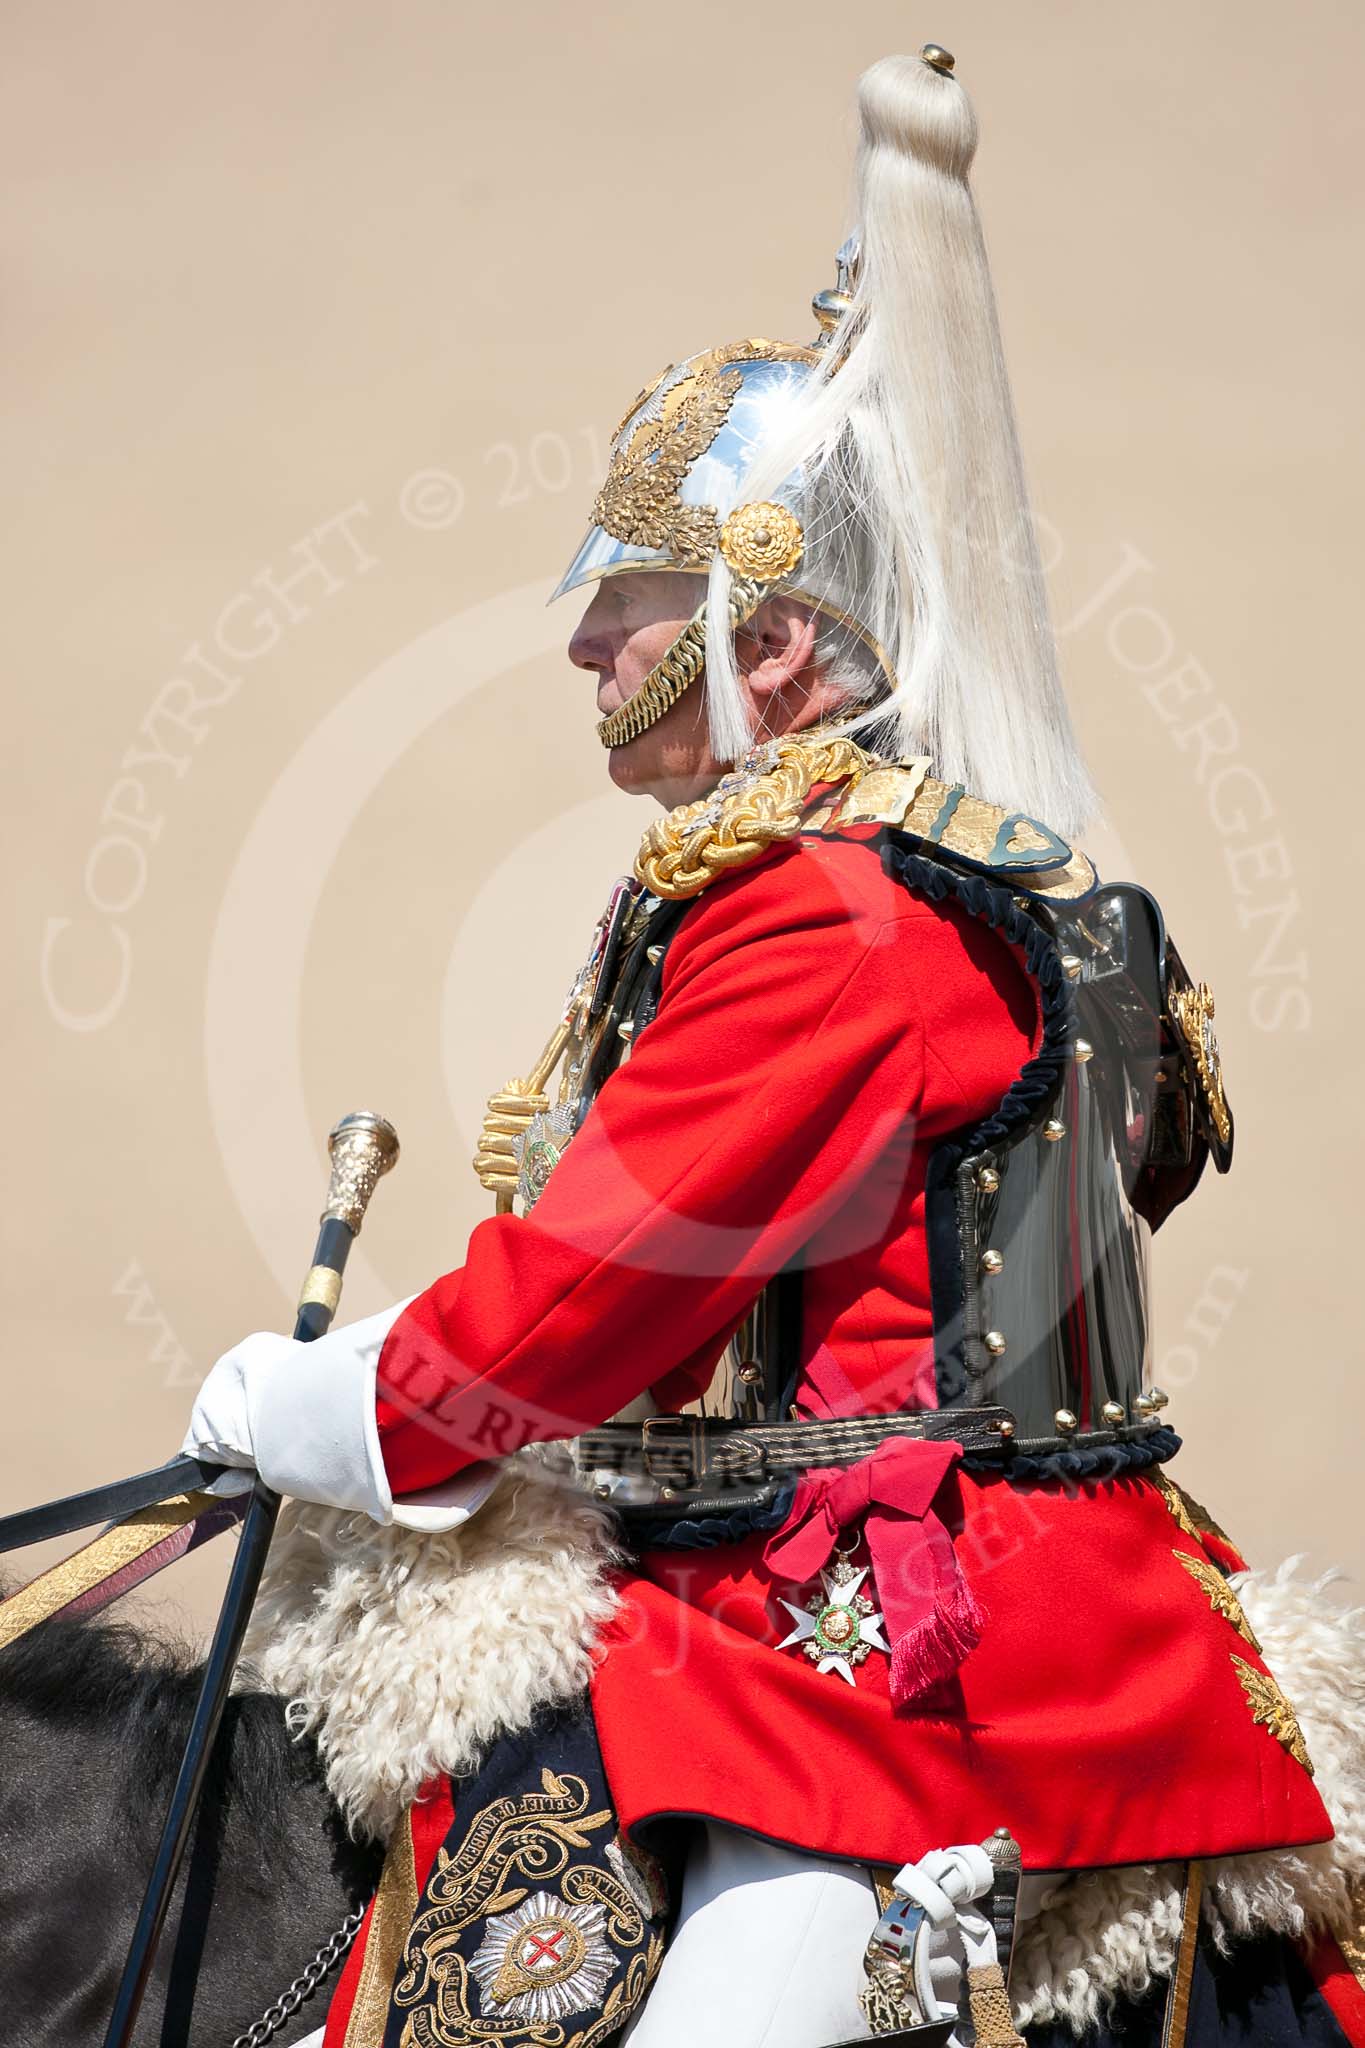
{"x":675,"y":496}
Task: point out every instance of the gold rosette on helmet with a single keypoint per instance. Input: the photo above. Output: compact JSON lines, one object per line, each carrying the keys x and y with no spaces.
{"x":764,"y":541}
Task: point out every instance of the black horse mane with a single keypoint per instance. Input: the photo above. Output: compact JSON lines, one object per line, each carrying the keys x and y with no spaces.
{"x":112,"y":1684}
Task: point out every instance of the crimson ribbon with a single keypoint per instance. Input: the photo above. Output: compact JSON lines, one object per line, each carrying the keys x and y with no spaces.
{"x":932,"y":1619}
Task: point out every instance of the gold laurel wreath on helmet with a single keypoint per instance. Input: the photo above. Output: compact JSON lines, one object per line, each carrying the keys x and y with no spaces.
{"x":639,"y":502}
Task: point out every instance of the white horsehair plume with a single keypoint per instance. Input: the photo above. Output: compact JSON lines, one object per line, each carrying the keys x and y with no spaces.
{"x":907,"y":442}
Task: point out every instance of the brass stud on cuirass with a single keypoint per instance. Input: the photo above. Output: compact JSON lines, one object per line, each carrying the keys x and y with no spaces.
{"x":1113,"y":1412}
{"x":1157,"y":1398}
{"x":994,"y":1341}
{"x":1065,"y":1422}
{"x":987,"y":1179}
{"x":1083,"y":1050}
{"x":1054,"y":1129}
{"x":1144,"y":1405}
{"x":1071,"y":965}
{"x":992,"y":1261}
{"x":654,"y":954}
{"x":626,"y":1028}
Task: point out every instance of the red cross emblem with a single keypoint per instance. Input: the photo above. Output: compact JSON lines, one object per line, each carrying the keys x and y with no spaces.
{"x":545,"y":1950}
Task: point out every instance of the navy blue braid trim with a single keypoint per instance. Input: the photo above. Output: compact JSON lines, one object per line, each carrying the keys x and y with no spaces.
{"x":1017,"y":1468}
{"x":1092,"y":1461}
{"x":993,"y":904}
{"x":706,"y":1532}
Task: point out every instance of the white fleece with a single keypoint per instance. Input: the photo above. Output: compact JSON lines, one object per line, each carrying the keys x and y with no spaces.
{"x":406,"y":1654}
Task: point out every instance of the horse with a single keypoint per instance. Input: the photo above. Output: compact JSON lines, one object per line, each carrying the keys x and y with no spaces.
{"x":93,"y":1719}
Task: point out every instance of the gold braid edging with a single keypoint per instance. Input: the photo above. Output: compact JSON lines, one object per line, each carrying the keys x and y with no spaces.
{"x":990,"y":2008}
{"x":699,"y":842}
{"x":681,"y":666}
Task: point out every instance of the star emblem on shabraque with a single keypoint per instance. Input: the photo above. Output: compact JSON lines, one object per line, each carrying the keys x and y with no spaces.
{"x":838,"y":1626}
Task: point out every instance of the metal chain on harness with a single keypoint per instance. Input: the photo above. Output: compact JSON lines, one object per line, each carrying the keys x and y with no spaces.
{"x":288,"y":2002}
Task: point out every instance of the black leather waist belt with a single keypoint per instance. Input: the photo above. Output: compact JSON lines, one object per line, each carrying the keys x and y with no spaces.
{"x":683,"y":1452}
{"x":702,"y":1464}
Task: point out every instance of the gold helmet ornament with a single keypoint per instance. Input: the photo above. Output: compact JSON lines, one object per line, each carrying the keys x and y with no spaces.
{"x":674,"y":496}
{"x":872,"y":473}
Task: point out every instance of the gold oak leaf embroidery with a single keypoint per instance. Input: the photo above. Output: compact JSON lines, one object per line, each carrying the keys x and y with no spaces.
{"x":1352,"y":1944}
{"x":1221,"y":1597}
{"x":1196,"y":1521}
{"x":1270,"y":1709}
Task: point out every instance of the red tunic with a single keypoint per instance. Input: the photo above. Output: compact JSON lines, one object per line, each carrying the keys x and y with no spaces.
{"x":820,"y":1031}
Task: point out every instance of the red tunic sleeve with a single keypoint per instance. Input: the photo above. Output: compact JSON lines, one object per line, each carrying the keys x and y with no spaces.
{"x":788,"y":1052}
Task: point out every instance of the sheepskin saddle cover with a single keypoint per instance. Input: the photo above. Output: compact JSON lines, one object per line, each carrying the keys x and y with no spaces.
{"x":404,"y":1655}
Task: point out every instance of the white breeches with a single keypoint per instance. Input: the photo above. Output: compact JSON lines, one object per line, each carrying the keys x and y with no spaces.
{"x":767,"y":1952}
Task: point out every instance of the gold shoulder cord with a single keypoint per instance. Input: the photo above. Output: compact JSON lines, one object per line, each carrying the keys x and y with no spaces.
{"x":746,"y":814}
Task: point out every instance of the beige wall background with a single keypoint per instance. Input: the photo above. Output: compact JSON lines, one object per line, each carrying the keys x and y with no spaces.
{"x":317,"y":319}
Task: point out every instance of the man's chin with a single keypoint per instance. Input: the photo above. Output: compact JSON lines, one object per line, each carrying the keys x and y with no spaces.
{"x":629,"y":774}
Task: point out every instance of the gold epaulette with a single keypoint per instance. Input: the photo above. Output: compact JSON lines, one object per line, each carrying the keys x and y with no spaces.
{"x":766,"y":803}
{"x":944,"y":814}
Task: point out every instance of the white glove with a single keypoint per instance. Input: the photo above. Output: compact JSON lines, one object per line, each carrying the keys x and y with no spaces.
{"x":303,"y":1416}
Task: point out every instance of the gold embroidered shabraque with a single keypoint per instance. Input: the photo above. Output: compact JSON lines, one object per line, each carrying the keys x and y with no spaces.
{"x":390,"y":1919}
{"x":555,"y":1929}
{"x":1221,"y":1597}
{"x":1270,"y":1709}
{"x":1178,"y":1998}
{"x":1352,"y":1944}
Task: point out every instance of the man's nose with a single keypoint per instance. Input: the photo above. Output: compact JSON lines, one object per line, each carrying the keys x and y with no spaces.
{"x":589,"y":647}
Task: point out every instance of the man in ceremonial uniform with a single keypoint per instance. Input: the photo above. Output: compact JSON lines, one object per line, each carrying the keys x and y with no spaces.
{"x":821,"y":1243}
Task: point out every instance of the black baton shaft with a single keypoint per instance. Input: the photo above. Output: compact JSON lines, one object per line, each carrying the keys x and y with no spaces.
{"x":317,"y":1305}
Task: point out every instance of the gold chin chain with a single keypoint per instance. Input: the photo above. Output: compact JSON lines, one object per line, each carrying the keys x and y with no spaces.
{"x":681,"y":666}
{"x":757,"y":806}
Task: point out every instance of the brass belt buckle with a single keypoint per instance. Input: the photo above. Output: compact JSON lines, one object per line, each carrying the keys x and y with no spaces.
{"x":673,"y":1450}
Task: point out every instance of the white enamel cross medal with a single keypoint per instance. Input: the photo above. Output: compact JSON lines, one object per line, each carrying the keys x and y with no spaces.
{"x":839,"y":1625}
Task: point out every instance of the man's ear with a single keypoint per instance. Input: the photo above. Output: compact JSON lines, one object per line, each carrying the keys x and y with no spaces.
{"x":782,"y":636}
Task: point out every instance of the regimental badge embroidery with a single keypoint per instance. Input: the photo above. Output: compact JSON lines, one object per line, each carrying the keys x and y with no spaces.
{"x":547,"y":1959}
{"x":539,"y":1924}
{"x":1192,"y":1011}
{"x":1270,"y":1709}
{"x":839,"y":1626}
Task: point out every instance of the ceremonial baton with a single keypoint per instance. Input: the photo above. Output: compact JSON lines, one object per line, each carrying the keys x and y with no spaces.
{"x":363,"y":1147}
